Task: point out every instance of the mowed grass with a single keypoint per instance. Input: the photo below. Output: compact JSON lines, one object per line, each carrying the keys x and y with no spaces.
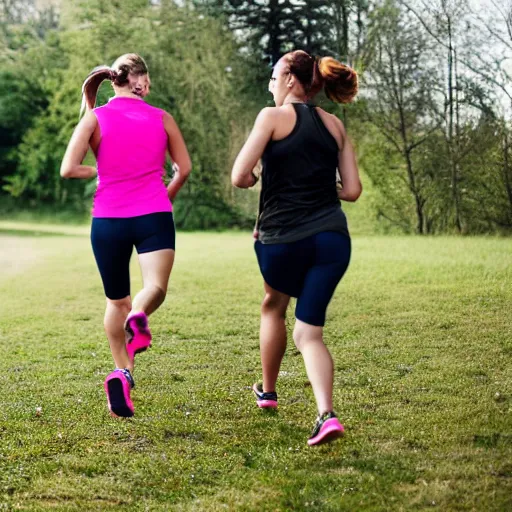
{"x":420,"y":332}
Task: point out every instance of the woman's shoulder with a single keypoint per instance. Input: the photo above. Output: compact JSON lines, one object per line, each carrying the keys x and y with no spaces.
{"x":89,"y":119}
{"x":268,"y":113}
{"x":270,"y":116}
{"x":331,"y":118}
{"x":277,"y":111}
{"x":156,"y":110}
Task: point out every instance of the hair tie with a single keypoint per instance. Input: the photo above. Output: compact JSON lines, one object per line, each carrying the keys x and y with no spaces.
{"x":113,"y":74}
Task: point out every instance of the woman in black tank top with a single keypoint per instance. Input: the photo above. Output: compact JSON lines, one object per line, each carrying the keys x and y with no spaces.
{"x":302,"y":240}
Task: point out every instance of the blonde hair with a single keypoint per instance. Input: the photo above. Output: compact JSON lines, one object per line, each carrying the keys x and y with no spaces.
{"x":117,"y":74}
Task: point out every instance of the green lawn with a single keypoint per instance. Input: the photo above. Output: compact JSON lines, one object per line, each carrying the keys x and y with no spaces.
{"x":421,"y":334}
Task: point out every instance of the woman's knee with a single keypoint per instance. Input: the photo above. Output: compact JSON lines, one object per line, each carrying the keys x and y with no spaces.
{"x":304,"y":333}
{"x":274,"y":303}
{"x":116,"y":312}
{"x":298,"y":337}
{"x":120,"y":305}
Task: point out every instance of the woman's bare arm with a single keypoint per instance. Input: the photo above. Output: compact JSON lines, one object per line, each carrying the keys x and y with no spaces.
{"x":242,"y":175}
{"x":351,"y":186}
{"x":71,"y":166}
{"x":182,"y":164}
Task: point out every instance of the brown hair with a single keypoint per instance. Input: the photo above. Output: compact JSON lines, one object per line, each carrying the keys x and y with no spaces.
{"x":338,"y":80}
{"x":117,"y":74}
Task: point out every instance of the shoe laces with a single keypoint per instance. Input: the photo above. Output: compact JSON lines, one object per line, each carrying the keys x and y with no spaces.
{"x":128,"y":376}
{"x":324,"y":417}
{"x":269,"y":395}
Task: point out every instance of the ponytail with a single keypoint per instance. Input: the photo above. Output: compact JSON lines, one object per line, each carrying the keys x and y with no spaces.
{"x":92,"y":84}
{"x":117,"y":74}
{"x":339,"y":80}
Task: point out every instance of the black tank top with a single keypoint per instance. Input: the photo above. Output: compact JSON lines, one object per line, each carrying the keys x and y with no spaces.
{"x":298,"y":195}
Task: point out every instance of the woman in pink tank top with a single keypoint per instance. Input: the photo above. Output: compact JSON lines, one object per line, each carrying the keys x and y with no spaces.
{"x":132,"y":207}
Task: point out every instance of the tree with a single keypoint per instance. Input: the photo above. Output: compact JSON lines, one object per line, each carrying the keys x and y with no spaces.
{"x":271,"y":28}
{"x":198,"y":75}
{"x":349,"y":38}
{"x":24,"y":59}
{"x":399,"y":98}
{"x":489,"y":31}
{"x":444,"y":21}
{"x":192,"y":63}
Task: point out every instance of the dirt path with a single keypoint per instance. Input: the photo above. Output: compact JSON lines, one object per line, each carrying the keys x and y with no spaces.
{"x":6,"y":226}
{"x":23,"y":245}
{"x":17,"y":254}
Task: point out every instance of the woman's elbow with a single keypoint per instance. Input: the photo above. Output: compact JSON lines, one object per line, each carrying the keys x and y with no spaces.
{"x":357,"y":192}
{"x":187,"y":169}
{"x":66,"y":172}
{"x":237,"y":180}
{"x":352,"y":194}
{"x":182,"y":170}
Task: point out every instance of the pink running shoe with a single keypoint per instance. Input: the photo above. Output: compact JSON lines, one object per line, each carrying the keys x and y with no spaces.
{"x":117,"y":386}
{"x":139,"y":335}
{"x":265,"y":400}
{"x":327,"y":429}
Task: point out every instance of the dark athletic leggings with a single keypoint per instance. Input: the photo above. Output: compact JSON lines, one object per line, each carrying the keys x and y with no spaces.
{"x":113,"y":240}
{"x":309,"y":269}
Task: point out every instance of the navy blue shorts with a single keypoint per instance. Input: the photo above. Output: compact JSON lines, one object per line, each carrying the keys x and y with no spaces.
{"x":309,"y":269}
{"x":113,"y":240}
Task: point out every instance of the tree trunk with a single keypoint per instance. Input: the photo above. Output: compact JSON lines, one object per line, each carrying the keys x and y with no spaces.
{"x":450,"y":125}
{"x":417,"y":199}
{"x":344,"y":24}
{"x":273,"y":41}
{"x":398,"y":92}
{"x":506,"y":169}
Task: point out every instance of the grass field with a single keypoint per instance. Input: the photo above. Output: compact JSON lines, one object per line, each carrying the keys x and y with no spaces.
{"x":421,"y":334}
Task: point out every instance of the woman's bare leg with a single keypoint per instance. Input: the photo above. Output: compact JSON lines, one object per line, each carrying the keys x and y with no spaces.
{"x":115,"y":317}
{"x":272,"y":335}
{"x":156,"y":269}
{"x":319,"y":366}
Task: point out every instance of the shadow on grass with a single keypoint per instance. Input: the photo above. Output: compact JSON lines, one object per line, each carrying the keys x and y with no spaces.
{"x":395,"y":468}
{"x":491,"y":440}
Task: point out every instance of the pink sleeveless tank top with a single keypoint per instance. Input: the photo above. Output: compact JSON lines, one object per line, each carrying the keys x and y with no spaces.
{"x":130,"y":159}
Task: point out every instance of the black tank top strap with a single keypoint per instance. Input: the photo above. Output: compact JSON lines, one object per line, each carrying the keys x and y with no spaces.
{"x":322,"y":129}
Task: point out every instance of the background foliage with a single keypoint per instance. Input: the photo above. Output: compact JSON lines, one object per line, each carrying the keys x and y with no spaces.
{"x":431,"y":124}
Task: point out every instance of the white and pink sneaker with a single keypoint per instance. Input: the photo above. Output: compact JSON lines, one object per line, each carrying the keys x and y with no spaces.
{"x":265,"y":400}
{"x":327,"y":429}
